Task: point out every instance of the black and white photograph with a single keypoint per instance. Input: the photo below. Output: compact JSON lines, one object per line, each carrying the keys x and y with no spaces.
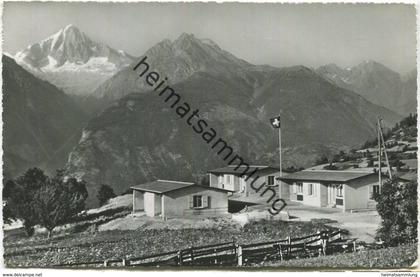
{"x":231,"y":136}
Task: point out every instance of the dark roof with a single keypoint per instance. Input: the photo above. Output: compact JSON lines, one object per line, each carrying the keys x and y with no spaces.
{"x":231,"y":169}
{"x":326,"y":175}
{"x":164,"y":186}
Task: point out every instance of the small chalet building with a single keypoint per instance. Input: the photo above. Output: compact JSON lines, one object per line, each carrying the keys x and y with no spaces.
{"x":169,"y":199}
{"x":230,"y":178}
{"x":347,"y":190}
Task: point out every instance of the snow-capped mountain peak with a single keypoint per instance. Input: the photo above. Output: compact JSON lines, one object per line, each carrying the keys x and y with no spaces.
{"x":68,"y":52}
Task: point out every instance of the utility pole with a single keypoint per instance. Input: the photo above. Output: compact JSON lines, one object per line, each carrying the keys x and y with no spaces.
{"x":281,"y":173}
{"x":379,"y":155}
{"x":381,"y":145}
{"x":386,"y":154}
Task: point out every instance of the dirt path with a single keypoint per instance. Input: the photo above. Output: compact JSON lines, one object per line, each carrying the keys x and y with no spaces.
{"x":361,"y":225}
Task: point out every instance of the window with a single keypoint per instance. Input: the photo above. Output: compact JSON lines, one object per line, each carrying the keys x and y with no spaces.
{"x":375,"y":191}
{"x":197,"y":201}
{"x":220,"y":181}
{"x":310,"y":189}
{"x":299,"y":186}
{"x":339,"y":190}
{"x":270,"y":180}
{"x":229,"y":179}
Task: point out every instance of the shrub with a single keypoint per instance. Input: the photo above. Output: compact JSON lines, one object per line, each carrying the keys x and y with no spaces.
{"x":105,"y":193}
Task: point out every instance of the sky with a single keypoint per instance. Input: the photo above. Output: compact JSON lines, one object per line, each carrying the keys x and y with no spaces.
{"x":274,"y":34}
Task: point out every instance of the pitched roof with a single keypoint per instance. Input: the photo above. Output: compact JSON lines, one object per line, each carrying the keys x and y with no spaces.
{"x":164,"y":186}
{"x":409,"y":176}
{"x":326,"y":175}
{"x":232,"y":169}
{"x":411,"y":163}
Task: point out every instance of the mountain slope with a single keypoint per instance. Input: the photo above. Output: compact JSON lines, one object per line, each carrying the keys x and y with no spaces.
{"x":73,"y":62}
{"x":41,"y":123}
{"x":140,"y":138}
{"x":376,"y":83}
{"x":409,"y":93}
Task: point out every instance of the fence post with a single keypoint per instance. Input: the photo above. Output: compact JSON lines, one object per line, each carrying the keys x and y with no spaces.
{"x":106,"y":263}
{"x":180,"y":257}
{"x":324,"y":243}
{"x":354,"y":246}
{"x":239,"y":255}
{"x":339,"y":234}
{"x":289,"y":249}
{"x":319,"y":242}
{"x":125,"y":262}
{"x":280,"y":252}
{"x":215,"y":255}
{"x":192,"y":255}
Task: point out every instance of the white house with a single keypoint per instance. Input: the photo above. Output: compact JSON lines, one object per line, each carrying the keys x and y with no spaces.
{"x":168,"y":199}
{"x":347,"y":190}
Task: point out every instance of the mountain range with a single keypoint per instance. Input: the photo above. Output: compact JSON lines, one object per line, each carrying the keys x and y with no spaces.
{"x":136,"y":137}
{"x":72,"y":61}
{"x":377,"y":83}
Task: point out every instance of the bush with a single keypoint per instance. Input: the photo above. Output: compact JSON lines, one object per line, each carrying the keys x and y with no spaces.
{"x":105,"y":193}
{"x":397,"y":206}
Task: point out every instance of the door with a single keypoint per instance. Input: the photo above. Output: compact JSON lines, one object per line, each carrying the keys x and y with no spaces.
{"x":331,"y":192}
{"x":242,"y":184}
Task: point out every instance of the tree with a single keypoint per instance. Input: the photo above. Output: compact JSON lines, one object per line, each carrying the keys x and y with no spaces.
{"x":18,"y":198}
{"x":35,"y":199}
{"x":105,"y":193}
{"x":397,"y":206}
{"x":58,"y":200}
{"x":321,"y":160}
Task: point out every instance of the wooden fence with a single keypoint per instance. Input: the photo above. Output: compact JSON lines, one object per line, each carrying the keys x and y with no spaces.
{"x":233,"y":254}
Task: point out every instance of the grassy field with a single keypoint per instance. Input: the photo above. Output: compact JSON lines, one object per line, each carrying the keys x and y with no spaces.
{"x":393,"y":257}
{"x":40,"y":251}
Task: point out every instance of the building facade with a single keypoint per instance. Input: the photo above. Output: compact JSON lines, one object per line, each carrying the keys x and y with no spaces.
{"x":255,"y":179}
{"x":347,"y":190}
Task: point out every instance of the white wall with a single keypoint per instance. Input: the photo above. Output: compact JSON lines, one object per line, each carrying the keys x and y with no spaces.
{"x":177,"y":203}
{"x":149,"y":203}
{"x":310,"y":200}
{"x":138,"y":201}
{"x":357,"y":193}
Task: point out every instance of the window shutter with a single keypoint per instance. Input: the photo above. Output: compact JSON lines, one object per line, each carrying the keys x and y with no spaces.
{"x":294,"y":188}
{"x":205,"y":199}
{"x":191,"y":201}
